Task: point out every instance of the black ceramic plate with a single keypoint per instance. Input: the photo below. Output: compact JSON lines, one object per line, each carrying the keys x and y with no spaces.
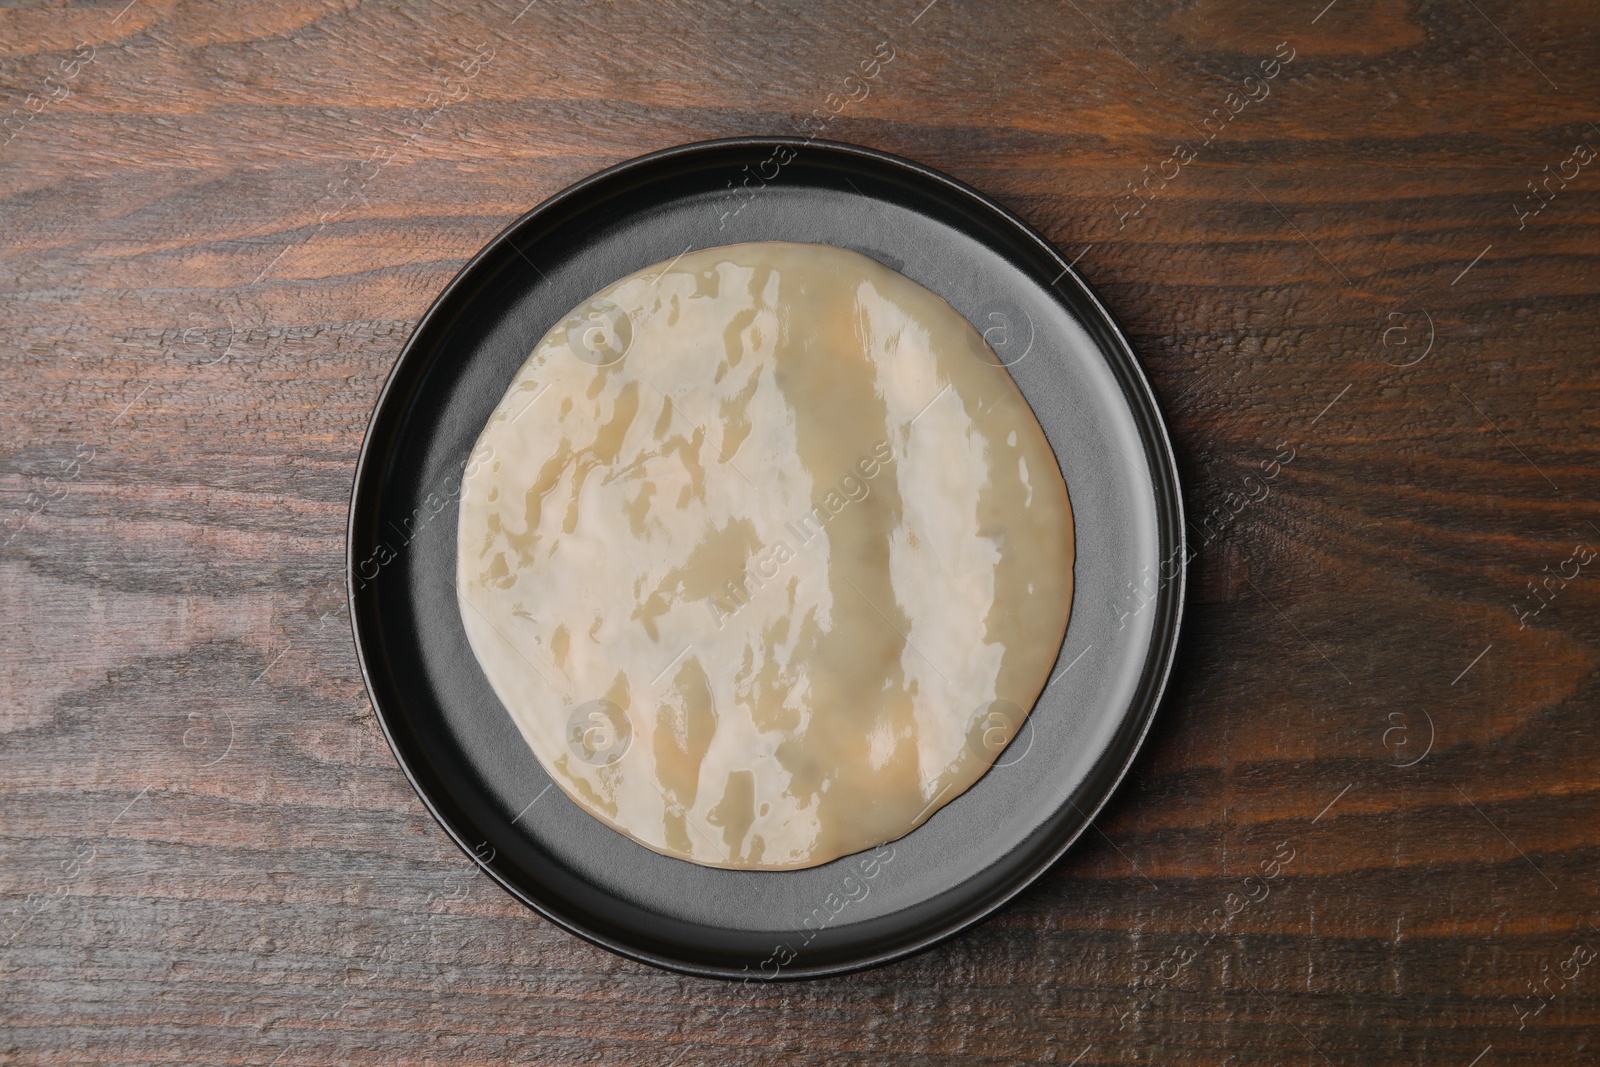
{"x":460,"y":748}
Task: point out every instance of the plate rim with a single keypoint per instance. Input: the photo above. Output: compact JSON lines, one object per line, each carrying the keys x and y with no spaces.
{"x":1167,"y":491}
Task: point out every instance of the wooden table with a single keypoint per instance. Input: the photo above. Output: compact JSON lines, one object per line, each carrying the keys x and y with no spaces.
{"x":1357,"y":235}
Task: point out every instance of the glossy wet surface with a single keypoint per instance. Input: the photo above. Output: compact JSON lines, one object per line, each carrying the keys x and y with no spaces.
{"x":765,"y":554}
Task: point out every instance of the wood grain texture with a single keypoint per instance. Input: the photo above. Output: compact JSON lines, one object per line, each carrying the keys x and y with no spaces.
{"x":218,"y":225}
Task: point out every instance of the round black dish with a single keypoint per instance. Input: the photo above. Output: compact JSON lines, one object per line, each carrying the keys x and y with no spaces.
{"x":459,"y":747}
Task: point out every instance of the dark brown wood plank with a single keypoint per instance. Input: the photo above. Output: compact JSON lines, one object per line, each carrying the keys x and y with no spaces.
{"x":207,"y":853}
